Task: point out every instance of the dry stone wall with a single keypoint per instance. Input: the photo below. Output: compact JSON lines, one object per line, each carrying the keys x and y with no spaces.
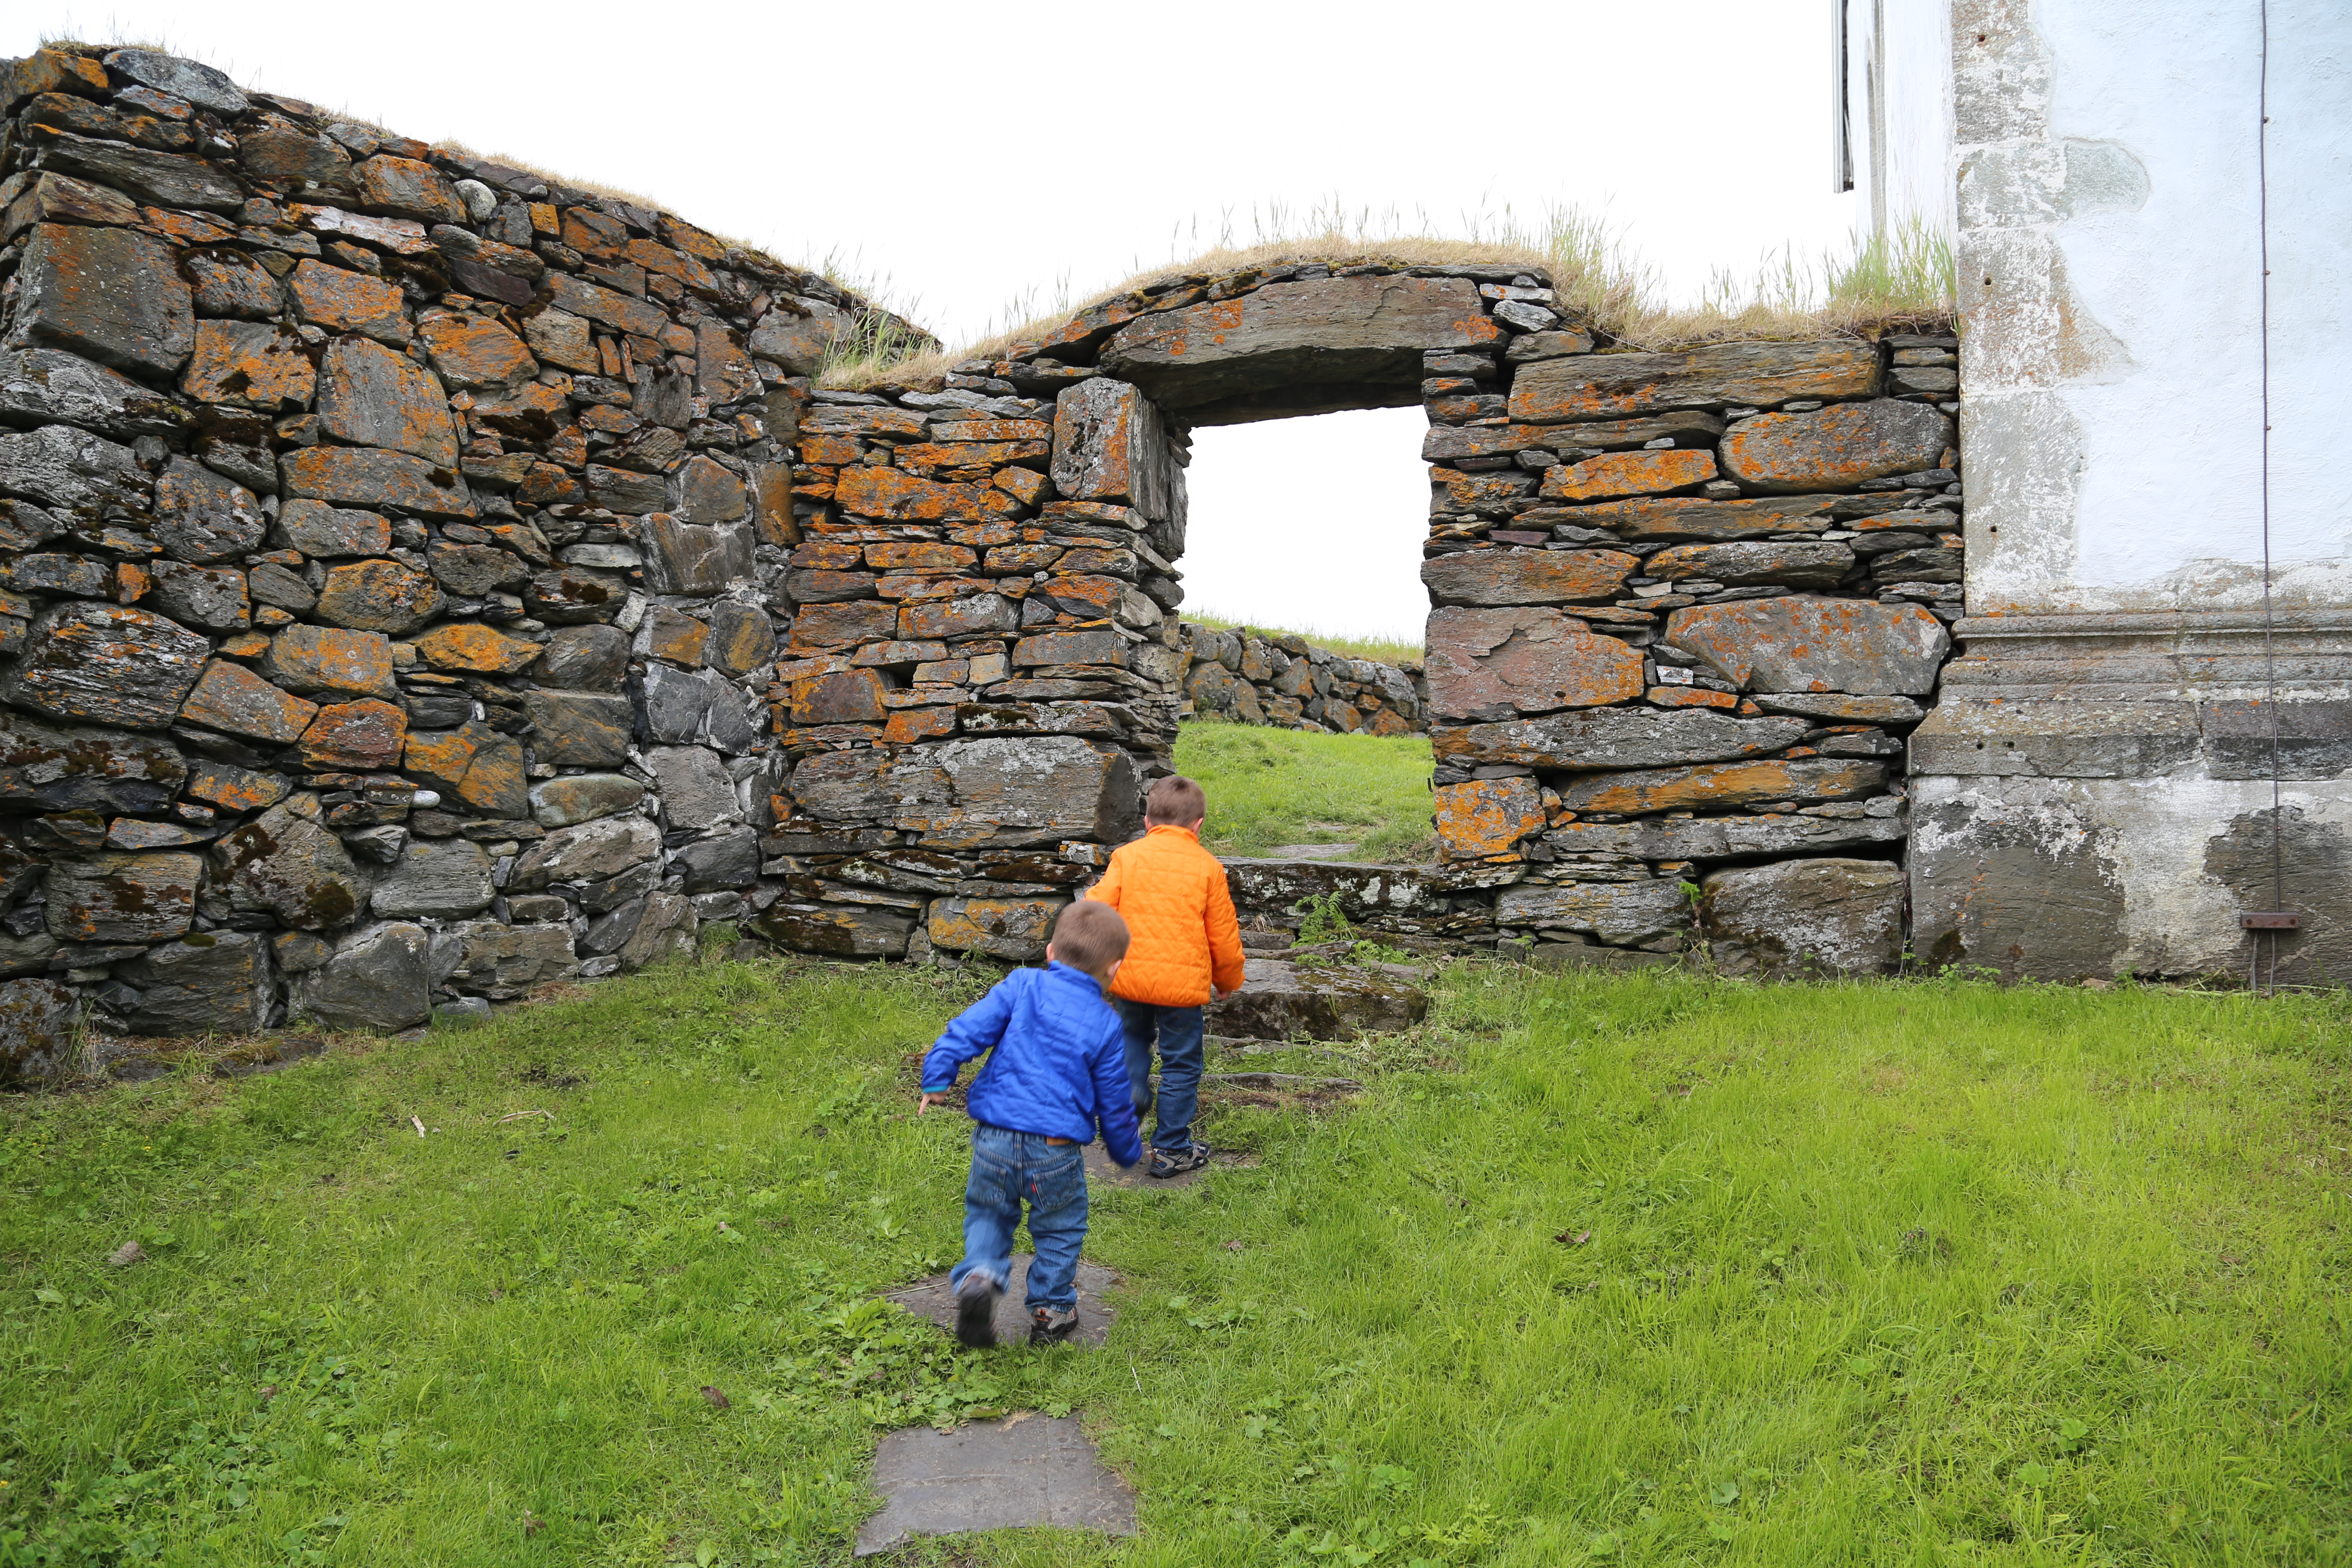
{"x":388,"y":542}
{"x":424,"y":581}
{"x":1279,"y":679}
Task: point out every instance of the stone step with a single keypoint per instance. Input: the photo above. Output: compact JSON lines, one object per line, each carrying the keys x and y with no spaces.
{"x":930,"y":1298}
{"x":1280,"y":999}
{"x":1026,"y":1468}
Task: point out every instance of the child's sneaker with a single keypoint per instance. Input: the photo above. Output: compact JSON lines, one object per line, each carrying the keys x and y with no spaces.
{"x":1166,"y":1163}
{"x":1053,"y":1323}
{"x":976,"y":1310}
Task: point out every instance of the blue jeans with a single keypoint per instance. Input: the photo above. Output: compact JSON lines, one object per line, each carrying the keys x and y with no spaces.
{"x":1177,"y":1032}
{"x":1007,"y":1170}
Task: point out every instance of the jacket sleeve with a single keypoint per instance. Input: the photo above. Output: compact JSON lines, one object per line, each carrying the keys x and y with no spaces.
{"x":977,"y":1029}
{"x":1224,"y":932}
{"x":1108,"y":890}
{"x":1115,"y":1098}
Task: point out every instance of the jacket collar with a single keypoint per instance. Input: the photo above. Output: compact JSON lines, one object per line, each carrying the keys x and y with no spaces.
{"x":1192,"y":833}
{"x":1071,"y":973}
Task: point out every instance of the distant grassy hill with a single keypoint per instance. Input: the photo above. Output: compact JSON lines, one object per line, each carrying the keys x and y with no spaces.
{"x":1387,"y":650}
{"x":1270,"y":788}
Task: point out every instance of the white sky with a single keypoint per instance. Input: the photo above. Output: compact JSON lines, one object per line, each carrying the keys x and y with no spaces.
{"x":963,"y":159}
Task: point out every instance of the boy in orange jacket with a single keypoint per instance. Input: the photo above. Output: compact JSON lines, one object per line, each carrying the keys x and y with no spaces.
{"x":1185,"y":948}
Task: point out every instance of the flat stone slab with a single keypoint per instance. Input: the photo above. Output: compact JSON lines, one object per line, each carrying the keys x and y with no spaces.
{"x":1025,"y":1469}
{"x":1137,"y":1177}
{"x":930,"y":1298}
{"x":1280,"y":1000}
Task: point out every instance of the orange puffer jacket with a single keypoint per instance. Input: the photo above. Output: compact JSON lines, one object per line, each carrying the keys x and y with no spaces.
{"x":1179,"y":919}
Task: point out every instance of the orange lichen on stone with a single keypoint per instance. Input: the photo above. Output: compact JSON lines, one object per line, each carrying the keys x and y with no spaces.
{"x":1487,"y":818}
{"x":912,"y":724}
{"x":892,"y":496}
{"x":362,"y":736}
{"x":1721,"y":785}
{"x":1617,"y":474}
{"x":919,"y":556}
{"x":476,"y":648}
{"x":1691,"y":696}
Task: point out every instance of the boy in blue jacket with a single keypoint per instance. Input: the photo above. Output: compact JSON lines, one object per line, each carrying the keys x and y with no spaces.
{"x":1056,"y":1068}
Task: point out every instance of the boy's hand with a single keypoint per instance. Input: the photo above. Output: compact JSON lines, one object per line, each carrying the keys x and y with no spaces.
{"x":929,"y":1099}
{"x":1222,"y":992}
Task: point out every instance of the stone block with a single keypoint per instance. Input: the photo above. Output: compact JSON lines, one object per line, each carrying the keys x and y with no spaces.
{"x":1616,"y":737}
{"x":379,"y":597}
{"x":689,"y":558}
{"x":437,"y":878}
{"x":199,"y":83}
{"x":575,"y":596}
{"x":1487,"y":816}
{"x":1513,"y":576}
{"x":1111,"y":444}
{"x":591,"y":852}
{"x":1804,"y":917}
{"x":41,"y":385}
{"x":1794,"y":563}
{"x":475,"y":570}
{"x":1716,"y":375}
{"x":1776,"y":835}
{"x":583,"y":798}
{"x":233,"y":700}
{"x":333,"y":660}
{"x":1837,"y":447}
{"x":108,"y":294}
{"x":232,"y":789}
{"x":591,"y":657}
{"x":473,"y":351}
{"x":646,"y":930}
{"x":52,"y":770}
{"x":121,"y":898}
{"x":606,"y":306}
{"x":315,"y":527}
{"x":406,"y":187}
{"x":365,"y":736}
{"x":207,"y":983}
{"x":1685,"y":517}
{"x":707,"y":493}
{"x":948,"y":620}
{"x":837,"y":931}
{"x":362,"y":478}
{"x":106,"y":664}
{"x":729,"y":861}
{"x":254,"y":364}
{"x":846,"y":696}
{"x":1280,"y":1001}
{"x":72,"y":472}
{"x":1617,"y":474}
{"x":284,"y":862}
{"x":1717,"y":786}
{"x":1806,"y":643}
{"x":741,"y":639}
{"x":580,"y":728}
{"x":1497,"y":663}
{"x":797,"y":334}
{"x":892,"y":495}
{"x":1297,"y":335}
{"x":476,"y":648}
{"x":378,"y":980}
{"x":1838,"y":708}
{"x":37,"y":1019}
{"x":503,"y":962}
{"x":346,"y":301}
{"x":1621,"y":914}
{"x":1012,"y":930}
{"x":371,"y":397}
{"x":213,"y":598}
{"x":696,"y":791}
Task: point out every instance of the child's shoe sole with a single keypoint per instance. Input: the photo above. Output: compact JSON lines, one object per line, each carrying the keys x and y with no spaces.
{"x":976,"y":1313}
{"x":1165,"y":1165}
{"x":1052,"y":1326}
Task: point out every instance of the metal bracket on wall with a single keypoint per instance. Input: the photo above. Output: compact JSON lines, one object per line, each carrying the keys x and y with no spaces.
{"x":2269,"y":920}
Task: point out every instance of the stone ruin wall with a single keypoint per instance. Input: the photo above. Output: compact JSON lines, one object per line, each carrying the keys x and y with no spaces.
{"x":1279,"y":679}
{"x":391,"y":545}
{"x":424,"y":582}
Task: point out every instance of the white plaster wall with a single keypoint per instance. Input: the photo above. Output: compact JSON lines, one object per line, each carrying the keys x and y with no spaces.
{"x":2111,"y":196}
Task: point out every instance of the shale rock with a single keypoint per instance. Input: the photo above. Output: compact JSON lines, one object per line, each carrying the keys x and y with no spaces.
{"x":1608,"y":386}
{"x":646,"y":930}
{"x":1013,"y":929}
{"x":1805,"y":916}
{"x":435,"y":878}
{"x":1805,"y":644}
{"x":37,"y":1030}
{"x":315,"y":527}
{"x":838,"y":931}
{"x":108,"y":294}
{"x":502,"y":962}
{"x":233,"y":700}
{"x":106,"y":664}
{"x":44,"y":384}
{"x":330,"y":659}
{"x":1487,"y":817}
{"x":1716,"y":786}
{"x":121,"y":898}
{"x":73,"y":471}
{"x":583,"y":798}
{"x":592,"y":658}
{"x":728,"y":861}
{"x":203,"y":518}
{"x":591,"y":852}
{"x":49,"y":769}
{"x":696,"y":790}
{"x":580,"y":728}
{"x":208,"y":982}
{"x":284,"y":862}
{"x":1496,"y":663}
{"x":1617,"y":738}
{"x":1620,"y":913}
{"x":378,"y":980}
{"x":1836,"y":447}
{"x":1282,"y":1001}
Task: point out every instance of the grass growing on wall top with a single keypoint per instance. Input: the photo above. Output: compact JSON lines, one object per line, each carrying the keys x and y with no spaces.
{"x":1631,"y":1269}
{"x":1270,"y":788}
{"x":1882,"y":283}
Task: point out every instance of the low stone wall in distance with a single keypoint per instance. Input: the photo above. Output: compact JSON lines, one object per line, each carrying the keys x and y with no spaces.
{"x":1281,"y":680}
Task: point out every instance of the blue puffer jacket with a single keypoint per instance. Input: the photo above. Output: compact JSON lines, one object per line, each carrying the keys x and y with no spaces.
{"x":1057,"y":1061}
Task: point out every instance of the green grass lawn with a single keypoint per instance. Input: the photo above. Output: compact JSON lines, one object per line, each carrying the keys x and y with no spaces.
{"x":1641,"y":1269}
{"x":1268,"y":787}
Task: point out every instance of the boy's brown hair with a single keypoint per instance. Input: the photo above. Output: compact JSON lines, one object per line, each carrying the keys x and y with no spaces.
{"x":1175,"y":799}
{"x":1090,"y":936}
